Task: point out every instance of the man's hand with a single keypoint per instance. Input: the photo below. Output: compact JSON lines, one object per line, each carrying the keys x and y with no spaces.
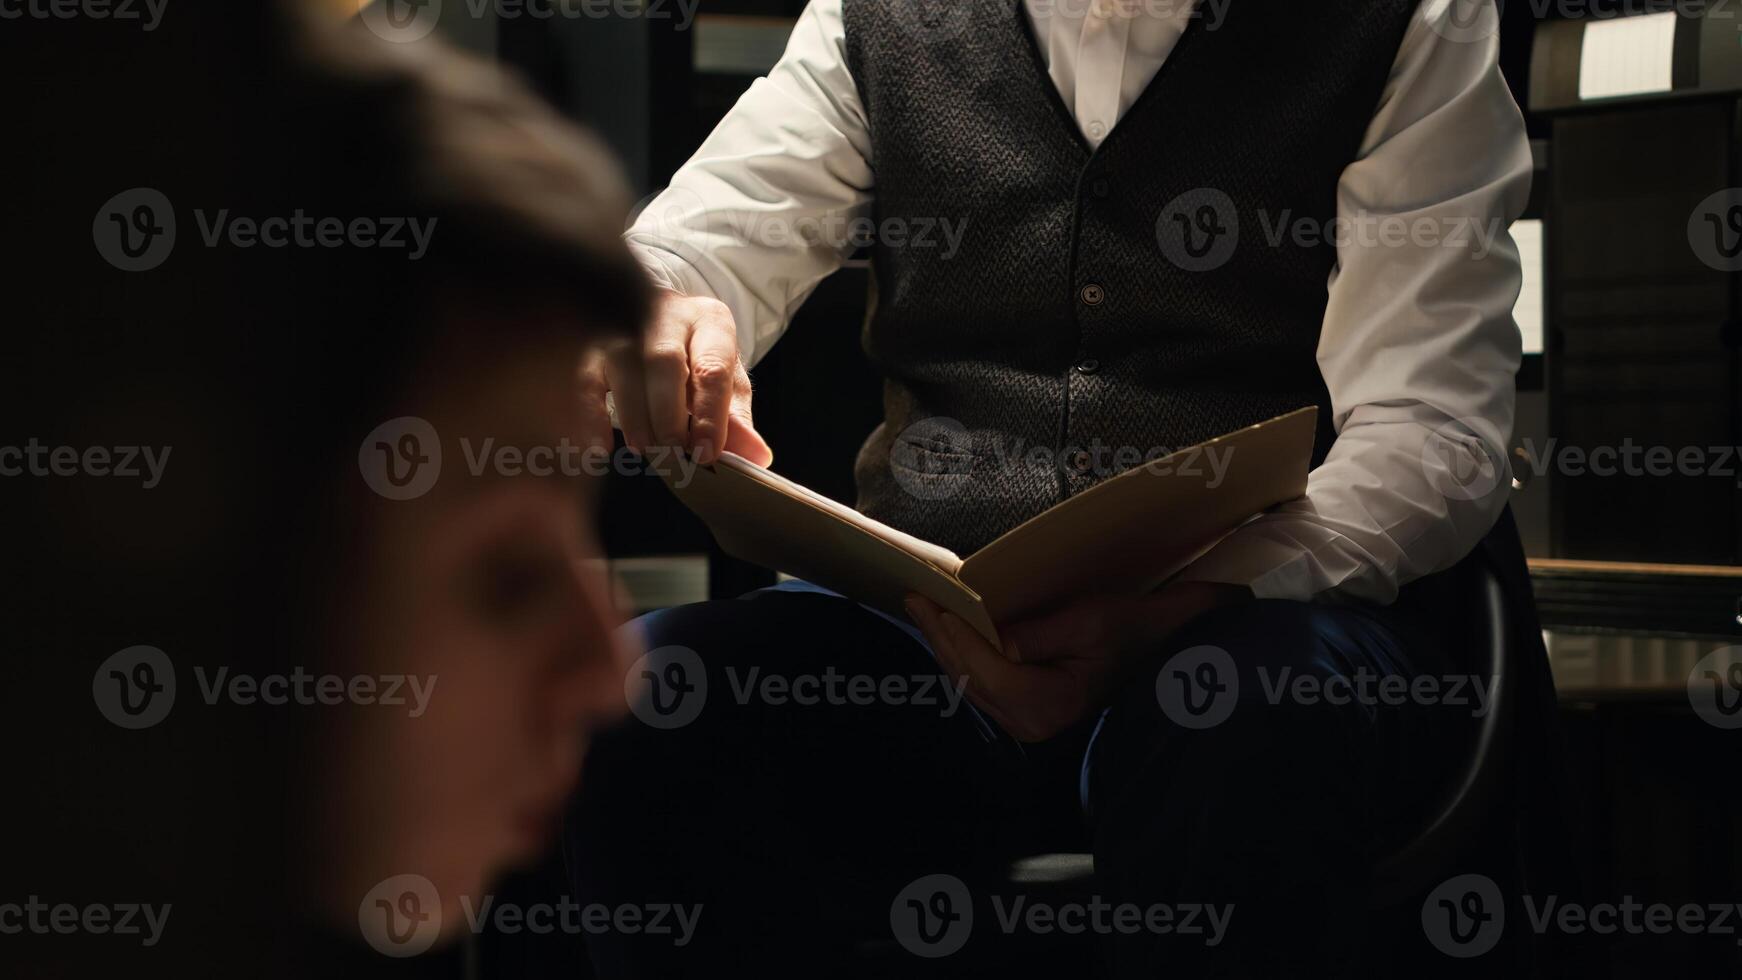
{"x":1056,"y":669}
{"x":685,"y":387}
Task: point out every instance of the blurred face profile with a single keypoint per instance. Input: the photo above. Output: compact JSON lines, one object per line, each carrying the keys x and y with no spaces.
{"x":485,"y":595}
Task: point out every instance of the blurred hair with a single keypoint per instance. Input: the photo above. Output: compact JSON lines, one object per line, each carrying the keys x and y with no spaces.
{"x":261,"y":368}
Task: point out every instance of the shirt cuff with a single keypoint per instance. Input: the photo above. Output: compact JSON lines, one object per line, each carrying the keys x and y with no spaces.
{"x":1271,"y":569}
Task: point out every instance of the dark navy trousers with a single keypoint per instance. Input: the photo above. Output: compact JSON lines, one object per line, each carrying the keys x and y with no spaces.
{"x":799,"y":769}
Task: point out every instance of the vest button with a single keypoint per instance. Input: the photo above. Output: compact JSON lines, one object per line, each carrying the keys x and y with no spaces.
{"x":1088,"y":365}
{"x":1080,"y":462}
{"x":1101,"y":188}
{"x":1092,"y":294}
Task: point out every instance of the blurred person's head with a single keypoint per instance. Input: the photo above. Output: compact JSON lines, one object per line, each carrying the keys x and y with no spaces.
{"x":480,"y":602}
{"x":468,"y":573}
{"x":265,"y":551}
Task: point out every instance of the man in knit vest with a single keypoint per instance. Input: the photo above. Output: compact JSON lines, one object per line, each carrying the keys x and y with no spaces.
{"x":1153,"y":222}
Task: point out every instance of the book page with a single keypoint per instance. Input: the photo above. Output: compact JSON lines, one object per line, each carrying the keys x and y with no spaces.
{"x":1131,"y":533}
{"x":766,"y":519}
{"x":941,"y":557}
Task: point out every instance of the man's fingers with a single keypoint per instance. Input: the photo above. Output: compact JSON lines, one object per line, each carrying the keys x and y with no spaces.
{"x":943,"y":644}
{"x":595,"y":416}
{"x":623,"y":373}
{"x":667,"y":358}
{"x":741,"y":435}
{"x":713,"y":363}
{"x":968,"y":654}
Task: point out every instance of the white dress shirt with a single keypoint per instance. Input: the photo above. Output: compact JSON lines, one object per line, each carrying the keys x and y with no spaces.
{"x":1418,"y":347}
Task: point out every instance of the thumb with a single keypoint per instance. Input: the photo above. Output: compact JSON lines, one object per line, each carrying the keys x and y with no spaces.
{"x":741,"y":435}
{"x":743,"y":439}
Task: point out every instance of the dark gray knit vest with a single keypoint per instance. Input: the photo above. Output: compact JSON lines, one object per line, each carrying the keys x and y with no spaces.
{"x":1102,"y":307}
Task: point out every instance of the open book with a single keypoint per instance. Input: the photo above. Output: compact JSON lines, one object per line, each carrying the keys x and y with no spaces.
{"x":1129,"y":534}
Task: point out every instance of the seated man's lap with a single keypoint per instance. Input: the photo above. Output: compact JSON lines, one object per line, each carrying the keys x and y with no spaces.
{"x":822,"y":763}
{"x":1258,"y":762}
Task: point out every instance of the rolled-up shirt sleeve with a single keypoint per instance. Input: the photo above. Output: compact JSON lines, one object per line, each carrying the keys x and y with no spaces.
{"x":766,"y":207}
{"x":1419,"y":348}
